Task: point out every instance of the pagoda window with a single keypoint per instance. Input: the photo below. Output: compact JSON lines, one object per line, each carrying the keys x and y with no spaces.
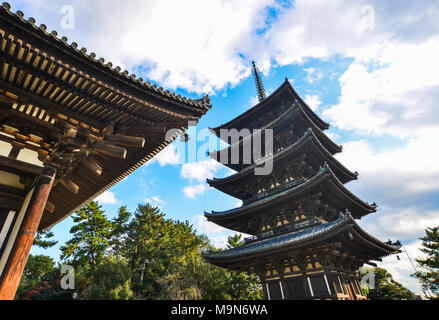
{"x":275,"y":290}
{"x":319,"y":286}
{"x":343,"y":289}
{"x":296,"y":289}
{"x":334,"y":284}
{"x":354,"y":284}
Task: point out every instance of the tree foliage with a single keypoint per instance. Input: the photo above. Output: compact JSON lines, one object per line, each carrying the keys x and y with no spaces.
{"x":386,"y":288}
{"x":110,"y":281}
{"x":140,"y":255}
{"x":42,"y":239}
{"x":429,"y":277}
{"x":90,"y":237}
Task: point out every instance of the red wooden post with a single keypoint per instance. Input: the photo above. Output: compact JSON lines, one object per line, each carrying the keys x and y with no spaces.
{"x":14,"y":267}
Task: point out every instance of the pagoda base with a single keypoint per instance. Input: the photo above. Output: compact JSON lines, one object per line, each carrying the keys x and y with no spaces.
{"x":316,"y":285}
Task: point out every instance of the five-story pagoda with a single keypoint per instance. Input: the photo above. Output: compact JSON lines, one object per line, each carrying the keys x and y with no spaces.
{"x":305,"y":242}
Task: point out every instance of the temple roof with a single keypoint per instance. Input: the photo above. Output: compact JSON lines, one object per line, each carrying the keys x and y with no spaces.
{"x":40,"y":35}
{"x":325,"y":180}
{"x":308,"y":144}
{"x":325,"y":232}
{"x":265,"y":105}
{"x":51,"y":84}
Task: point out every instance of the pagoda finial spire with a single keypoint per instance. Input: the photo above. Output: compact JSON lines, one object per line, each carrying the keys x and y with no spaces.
{"x":258,"y":81}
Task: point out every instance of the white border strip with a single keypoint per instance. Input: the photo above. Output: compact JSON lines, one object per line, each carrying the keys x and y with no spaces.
{"x":6,"y":226}
{"x":11,"y":240}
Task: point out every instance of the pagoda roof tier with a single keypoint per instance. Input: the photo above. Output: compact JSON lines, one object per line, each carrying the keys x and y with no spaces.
{"x":259,"y":110}
{"x":325,"y":181}
{"x":344,"y":230}
{"x":49,"y":85}
{"x":309,"y":144}
{"x":291,"y":114}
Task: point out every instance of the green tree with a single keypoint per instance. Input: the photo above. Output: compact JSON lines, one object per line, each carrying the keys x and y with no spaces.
{"x":243,"y":286}
{"x":110,"y":281}
{"x":36,"y":270}
{"x":196,"y":279}
{"x":37,"y":266}
{"x":119,"y":231}
{"x":235,"y":241}
{"x":386,"y":288}
{"x":430,"y":277}
{"x":42,"y":239}
{"x":91,"y":235}
{"x":156,"y":247}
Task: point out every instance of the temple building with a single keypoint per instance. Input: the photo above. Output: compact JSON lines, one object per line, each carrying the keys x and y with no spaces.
{"x":305,"y":241}
{"x":71,"y":126}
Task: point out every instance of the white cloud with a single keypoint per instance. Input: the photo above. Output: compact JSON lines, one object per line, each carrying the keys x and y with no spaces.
{"x":206,"y":227}
{"x":313,"y":101}
{"x":312,"y":74}
{"x":217,"y":234}
{"x":193,"y":191}
{"x":398,"y":97}
{"x":192,"y":44}
{"x":220,"y":241}
{"x":107,"y":197}
{"x":395,"y":176}
{"x":200,"y":170}
{"x":168,"y":155}
{"x":155,"y":201}
{"x":407,"y":223}
{"x":392,"y":85}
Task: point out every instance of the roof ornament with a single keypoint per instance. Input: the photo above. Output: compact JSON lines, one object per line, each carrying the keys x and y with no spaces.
{"x":258,"y":81}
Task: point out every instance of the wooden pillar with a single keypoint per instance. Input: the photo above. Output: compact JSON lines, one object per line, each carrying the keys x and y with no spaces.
{"x":16,"y":262}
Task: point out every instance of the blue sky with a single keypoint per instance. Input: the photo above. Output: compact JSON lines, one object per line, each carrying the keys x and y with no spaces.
{"x":368,"y":67}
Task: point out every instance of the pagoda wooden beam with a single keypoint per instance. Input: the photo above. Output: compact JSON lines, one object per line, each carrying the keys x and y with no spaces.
{"x":110,"y":150}
{"x":26,"y":96}
{"x":10,"y":201}
{"x":128,"y":141}
{"x":92,"y":165}
{"x":69,"y":185}
{"x":17,"y":166}
{"x":11,"y":275}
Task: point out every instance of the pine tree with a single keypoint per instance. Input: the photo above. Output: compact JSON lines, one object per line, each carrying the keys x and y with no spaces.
{"x":430,"y":277}
{"x":119,"y":232}
{"x":234,"y":241}
{"x":91,"y":234}
{"x":42,"y":239}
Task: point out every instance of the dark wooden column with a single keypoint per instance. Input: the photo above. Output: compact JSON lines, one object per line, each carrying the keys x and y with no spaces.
{"x":14,"y":267}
